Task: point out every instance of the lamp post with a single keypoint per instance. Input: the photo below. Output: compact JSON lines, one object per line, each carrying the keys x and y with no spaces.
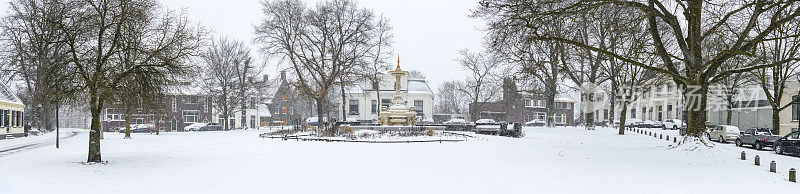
{"x":57,"y":132}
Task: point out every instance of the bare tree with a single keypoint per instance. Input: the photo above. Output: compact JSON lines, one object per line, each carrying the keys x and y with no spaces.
{"x":35,"y":53}
{"x":482,"y":83}
{"x":321,"y":44}
{"x":780,"y":48}
{"x":728,"y":89}
{"x":225,"y":59}
{"x":377,"y":57}
{"x":449,"y":100}
{"x":93,"y":33}
{"x":677,"y":40}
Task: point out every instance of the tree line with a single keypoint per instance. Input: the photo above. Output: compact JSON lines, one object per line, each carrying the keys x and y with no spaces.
{"x":621,"y":45}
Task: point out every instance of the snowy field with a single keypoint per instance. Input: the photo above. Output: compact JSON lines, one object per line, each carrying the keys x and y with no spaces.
{"x":547,"y":160}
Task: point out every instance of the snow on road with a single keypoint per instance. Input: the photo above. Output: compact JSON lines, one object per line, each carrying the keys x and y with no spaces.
{"x":547,"y":160}
{"x":18,"y":145}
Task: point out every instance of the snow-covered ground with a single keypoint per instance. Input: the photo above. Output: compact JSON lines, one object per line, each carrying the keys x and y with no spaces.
{"x":546,"y":160}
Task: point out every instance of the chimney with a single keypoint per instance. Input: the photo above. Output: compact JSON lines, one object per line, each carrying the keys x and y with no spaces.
{"x":283,"y":75}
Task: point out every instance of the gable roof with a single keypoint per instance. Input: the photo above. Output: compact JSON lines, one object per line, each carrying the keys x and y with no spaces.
{"x":7,"y":96}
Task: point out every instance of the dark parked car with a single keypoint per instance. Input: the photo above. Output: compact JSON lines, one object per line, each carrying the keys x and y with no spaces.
{"x":139,"y":128}
{"x":757,"y":137}
{"x":789,"y":144}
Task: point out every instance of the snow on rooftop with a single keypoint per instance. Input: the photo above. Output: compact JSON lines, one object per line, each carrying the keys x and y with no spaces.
{"x":7,"y":96}
{"x":419,"y":86}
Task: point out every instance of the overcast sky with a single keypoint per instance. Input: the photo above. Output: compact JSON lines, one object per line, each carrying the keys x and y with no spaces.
{"x":427,"y":34}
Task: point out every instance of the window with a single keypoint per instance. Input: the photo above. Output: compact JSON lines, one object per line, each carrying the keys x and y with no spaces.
{"x":374,"y":107}
{"x":190,"y":116}
{"x":633,"y":113}
{"x":540,"y":116}
{"x":529,"y":103}
{"x":174,"y":104}
{"x":13,"y":118}
{"x":605,"y":114}
{"x":794,"y":136}
{"x":560,"y":118}
{"x":539,"y":104}
{"x":353,"y":107}
{"x":2,"y":118}
{"x":669,"y":110}
{"x":252,"y":121}
{"x":114,"y":114}
{"x":418,"y":106}
{"x":190,"y":100}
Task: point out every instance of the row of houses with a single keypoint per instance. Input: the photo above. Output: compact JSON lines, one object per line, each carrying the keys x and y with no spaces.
{"x":749,"y":109}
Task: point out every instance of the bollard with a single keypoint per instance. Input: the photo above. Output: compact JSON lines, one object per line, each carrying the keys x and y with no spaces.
{"x":772,"y":166}
{"x":667,"y":137}
{"x":792,"y":175}
{"x":674,"y":140}
{"x":758,"y":161}
{"x":661,"y":136}
{"x":743,"y":158}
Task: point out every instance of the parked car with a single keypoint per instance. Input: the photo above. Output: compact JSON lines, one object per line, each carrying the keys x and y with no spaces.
{"x":313,"y":121}
{"x":211,"y":127}
{"x":789,"y":144}
{"x":194,"y":126}
{"x":139,"y":128}
{"x":723,"y":133}
{"x":658,"y":124}
{"x":632,"y":122}
{"x":425,"y":122}
{"x":673,"y":124}
{"x":535,"y":123}
{"x":456,"y":122}
{"x":485,"y":122}
{"x":648,"y":124}
{"x":758,"y":138}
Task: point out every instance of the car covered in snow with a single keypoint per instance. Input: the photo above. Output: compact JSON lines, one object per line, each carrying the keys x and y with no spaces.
{"x":194,"y":126}
{"x":485,"y":122}
{"x":673,"y":124}
{"x":649,"y":124}
{"x":723,"y":133}
{"x":535,"y":123}
{"x":314,"y":121}
{"x":456,"y":122}
{"x":632,"y":122}
{"x":139,"y":128}
{"x":788,"y":144}
{"x":757,"y":137}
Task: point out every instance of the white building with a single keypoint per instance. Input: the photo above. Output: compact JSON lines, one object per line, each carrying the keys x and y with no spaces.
{"x":363,"y":103}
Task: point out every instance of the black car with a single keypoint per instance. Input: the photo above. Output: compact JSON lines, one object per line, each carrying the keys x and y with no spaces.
{"x":789,"y":144}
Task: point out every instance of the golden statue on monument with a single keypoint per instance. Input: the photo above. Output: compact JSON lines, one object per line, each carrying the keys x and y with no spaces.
{"x":398,"y":113}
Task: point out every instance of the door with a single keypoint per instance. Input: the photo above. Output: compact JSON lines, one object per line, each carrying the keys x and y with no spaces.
{"x":792,"y":143}
{"x":174,"y":125}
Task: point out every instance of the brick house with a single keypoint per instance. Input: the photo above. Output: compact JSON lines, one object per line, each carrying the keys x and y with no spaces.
{"x":521,"y":107}
{"x":288,"y":107}
{"x":183,"y":105}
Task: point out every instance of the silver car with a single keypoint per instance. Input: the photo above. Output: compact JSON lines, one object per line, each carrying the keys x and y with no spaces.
{"x":723,"y":133}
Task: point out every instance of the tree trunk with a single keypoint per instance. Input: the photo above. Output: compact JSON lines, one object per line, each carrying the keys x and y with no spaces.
{"x":551,"y":107}
{"x":244,"y":110}
{"x":622,"y":118}
{"x":127,"y":122}
{"x":321,"y":126}
{"x":344,"y":101}
{"x":96,"y":106}
{"x":729,"y":115}
{"x":696,"y":101}
{"x":776,"y":121}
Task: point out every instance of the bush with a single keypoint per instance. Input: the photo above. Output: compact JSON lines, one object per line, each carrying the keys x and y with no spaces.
{"x":430,"y":132}
{"x":346,"y":130}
